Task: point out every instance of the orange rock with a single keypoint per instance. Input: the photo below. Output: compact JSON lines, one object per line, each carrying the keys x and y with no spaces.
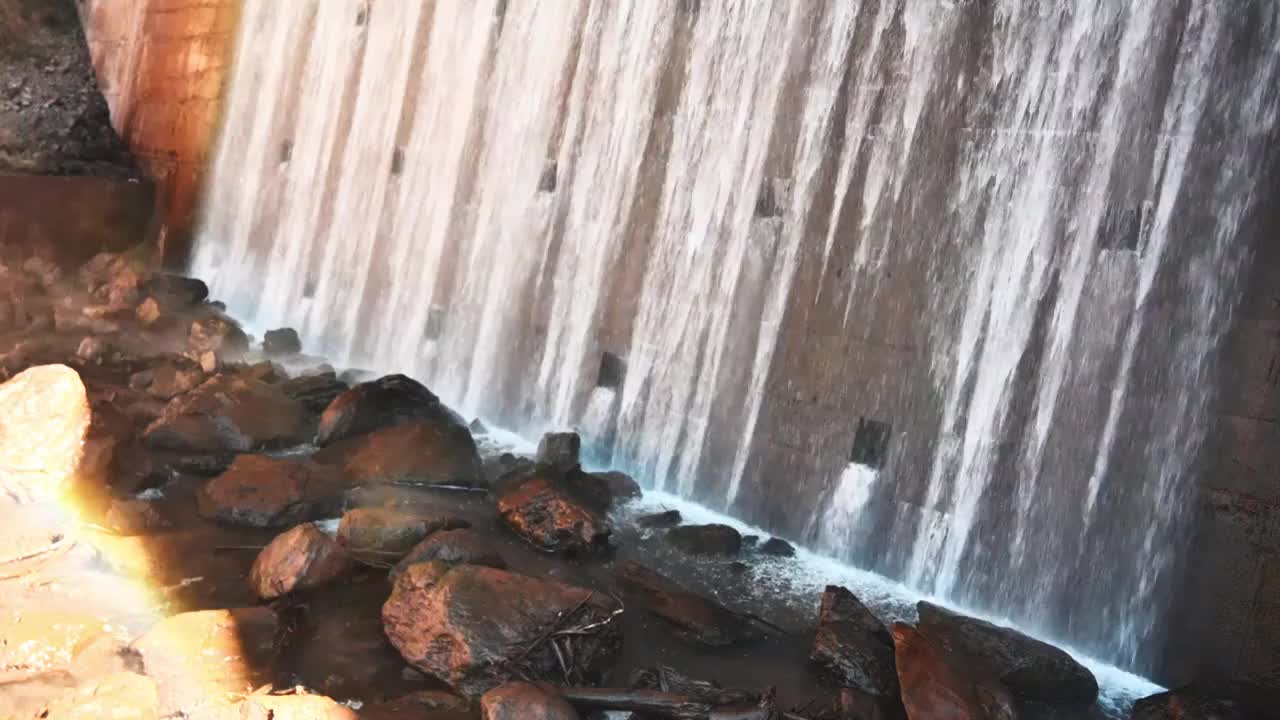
{"x":939,"y":683}
{"x":427,"y":452}
{"x":550,"y":518}
{"x":294,"y":707}
{"x":34,"y":641}
{"x":120,"y":696}
{"x":300,"y":559}
{"x":44,"y":415}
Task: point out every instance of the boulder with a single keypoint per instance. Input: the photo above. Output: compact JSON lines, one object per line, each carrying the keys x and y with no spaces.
{"x":148,"y":311}
{"x":230,"y":413}
{"x":134,"y":517}
{"x":44,"y":418}
{"x":261,"y":491}
{"x":622,"y":487}
{"x":118,"y":696}
{"x":34,"y":642}
{"x":658,"y":521}
{"x":542,"y":512}
{"x":197,"y":658}
{"x":169,"y":380}
{"x":696,"y":619}
{"x":778,"y":547}
{"x":560,"y":450}
{"x":476,"y":627}
{"x":385,"y":531}
{"x":113,"y":279}
{"x":314,"y":391}
{"x":420,"y":453}
{"x":300,"y":559}
{"x":383,"y":403}
{"x":711,"y":539}
{"x":284,"y":341}
{"x":422,"y":705}
{"x":525,"y":701}
{"x":299,"y":706}
{"x":176,"y":290}
{"x":1031,"y":669}
{"x":853,"y":645}
{"x":453,"y":547}
{"x":940,"y":682}
{"x":1185,"y":704}
{"x":218,"y":334}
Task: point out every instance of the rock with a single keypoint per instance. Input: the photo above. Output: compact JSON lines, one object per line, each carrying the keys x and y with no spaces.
{"x":314,"y":391}
{"x":300,"y":559}
{"x":470,"y":626}
{"x":505,"y":471}
{"x":44,"y":418}
{"x":390,"y":532}
{"x":711,"y":539}
{"x":453,"y":547}
{"x":778,"y":547}
{"x":177,"y":290}
{"x":560,"y":450}
{"x":938,"y":682}
{"x":230,"y":413}
{"x":383,"y":403}
{"x":284,"y":341}
{"x":694,"y":618}
{"x":668,"y":519}
{"x":1185,"y":704}
{"x":422,"y":452}
{"x":166,"y":382}
{"x":134,"y":517}
{"x":118,"y":696}
{"x":853,"y":645}
{"x":208,"y":361}
{"x":93,"y":349}
{"x":261,"y":491}
{"x":550,"y":518}
{"x":478,"y":427}
{"x":217,"y":333}
{"x":33,"y":642}
{"x":423,"y":705}
{"x":1032,"y":670}
{"x":148,"y":311}
{"x":113,"y":279}
{"x":202,"y":464}
{"x":196,"y":657}
{"x":525,"y":701}
{"x":622,"y":487}
{"x":294,"y":707}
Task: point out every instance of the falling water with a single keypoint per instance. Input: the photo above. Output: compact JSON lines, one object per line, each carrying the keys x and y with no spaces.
{"x":976,"y":222}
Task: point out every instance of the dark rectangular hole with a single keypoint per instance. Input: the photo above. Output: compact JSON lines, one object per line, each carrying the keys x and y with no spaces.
{"x":286,"y":151}
{"x":435,"y":323}
{"x":547,"y":183}
{"x":692,"y":7}
{"x":768,"y":204}
{"x":397,"y":161}
{"x":613,"y":370}
{"x":1121,"y":229}
{"x":871,"y":443}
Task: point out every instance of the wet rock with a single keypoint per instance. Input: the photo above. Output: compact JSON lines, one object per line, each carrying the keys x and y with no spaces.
{"x":202,"y":464}
{"x":44,"y":418}
{"x":543,"y":513}
{"x":93,"y":349}
{"x":294,"y":707}
{"x":668,"y":519}
{"x":477,"y":427}
{"x":622,"y":487}
{"x":261,"y":491}
{"x":314,"y":391}
{"x":33,"y":642}
{"x":218,"y":334}
{"x":197,"y":658}
{"x":113,"y":279}
{"x":855,"y":704}
{"x":453,"y":547}
{"x":300,"y":559}
{"x":778,"y":547}
{"x":1186,"y":704}
{"x":853,"y":645}
{"x":711,"y":539}
{"x":230,"y":413}
{"x":169,"y":380}
{"x":694,"y":618}
{"x":284,"y":341}
{"x":148,"y":311}
{"x":134,"y":517}
{"x":390,"y":532}
{"x":505,"y":471}
{"x":383,"y":403}
{"x":1032,"y":670}
{"x":420,"y":453}
{"x":177,"y":290}
{"x":118,"y":696}
{"x":424,"y":705}
{"x":939,"y":682}
{"x":560,"y":450}
{"x":525,"y":701}
{"x":471,"y":626}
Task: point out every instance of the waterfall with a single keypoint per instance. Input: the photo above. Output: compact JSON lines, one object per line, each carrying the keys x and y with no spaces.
{"x":724,"y":237}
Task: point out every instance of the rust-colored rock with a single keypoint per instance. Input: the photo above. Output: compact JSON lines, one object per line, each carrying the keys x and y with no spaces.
{"x":940,"y":683}
{"x":118,"y":696}
{"x":44,"y":416}
{"x":294,"y":707}
{"x":390,"y":532}
{"x":525,"y":701}
{"x":262,"y":491}
{"x":853,"y":645}
{"x":453,"y":547}
{"x":300,"y":559}
{"x":1186,"y":705}
{"x":694,"y":618}
{"x":427,"y":453}
{"x":471,"y":626}
{"x":383,"y":403}
{"x":543,"y":513}
{"x":230,"y":413}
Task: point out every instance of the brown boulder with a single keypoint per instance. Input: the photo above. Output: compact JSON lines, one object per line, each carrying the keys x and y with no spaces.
{"x":383,"y":403}
{"x":299,"y":559}
{"x":543,"y":513}
{"x":853,"y":645}
{"x":425,"y":453}
{"x":475,"y":627}
{"x":44,"y":417}
{"x":262,"y":491}
{"x":711,"y":539}
{"x":423,"y":705}
{"x":169,"y":380}
{"x":940,"y":682}
{"x":176,"y":291}
{"x":118,"y":696}
{"x":386,"y":531}
{"x":229,"y":413}
{"x":525,"y":701}
{"x":294,"y":707}
{"x":453,"y":547}
{"x":1031,"y":669}
{"x":1185,"y":705}
{"x":622,"y":487}
{"x":694,"y":618}
{"x":218,"y":334}
{"x":314,"y":391}
{"x":560,"y":450}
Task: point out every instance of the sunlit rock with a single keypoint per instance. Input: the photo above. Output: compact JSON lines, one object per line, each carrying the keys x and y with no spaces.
{"x":390,"y":532}
{"x":230,"y":413}
{"x":541,"y":511}
{"x":299,"y":559}
{"x":939,"y":682}
{"x":261,"y":491}
{"x":382,"y":403}
{"x":421,"y":452}
{"x":35,"y":641}
{"x":44,"y":417}
{"x":118,"y":696}
{"x":294,"y":707}
{"x":525,"y":701}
